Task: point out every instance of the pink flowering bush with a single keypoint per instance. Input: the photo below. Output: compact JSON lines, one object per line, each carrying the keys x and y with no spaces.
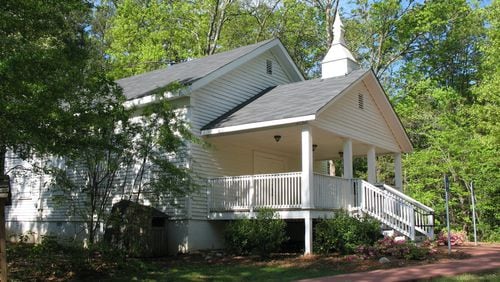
{"x":399,"y":249}
{"x":457,"y":238}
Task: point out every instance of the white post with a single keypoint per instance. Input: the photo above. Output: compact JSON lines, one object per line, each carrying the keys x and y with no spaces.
{"x":398,"y":172}
{"x":372,"y":165}
{"x":348,"y":159}
{"x":308,"y":236}
{"x":307,"y":168}
{"x":412,"y":224}
{"x":473,"y":199}
{"x":252,"y":196}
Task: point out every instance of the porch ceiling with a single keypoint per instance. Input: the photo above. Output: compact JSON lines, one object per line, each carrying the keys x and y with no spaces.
{"x":329,"y":144}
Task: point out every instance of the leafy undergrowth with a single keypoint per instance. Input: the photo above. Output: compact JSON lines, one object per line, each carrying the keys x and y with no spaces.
{"x":51,"y":261}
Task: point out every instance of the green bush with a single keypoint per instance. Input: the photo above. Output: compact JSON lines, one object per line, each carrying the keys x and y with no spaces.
{"x":344,"y":233}
{"x":262,"y":235}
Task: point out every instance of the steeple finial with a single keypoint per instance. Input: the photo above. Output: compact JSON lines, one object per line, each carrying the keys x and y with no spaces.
{"x":339,"y":60}
{"x":338,"y":30}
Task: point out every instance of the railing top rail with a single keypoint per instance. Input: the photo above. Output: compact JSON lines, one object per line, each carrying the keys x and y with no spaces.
{"x":256,"y":175}
{"x":331,"y":176}
{"x":406,"y":198}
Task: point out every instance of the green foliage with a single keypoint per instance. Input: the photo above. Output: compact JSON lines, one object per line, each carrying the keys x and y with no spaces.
{"x":48,"y":77}
{"x":262,"y":235}
{"x":344,"y":233}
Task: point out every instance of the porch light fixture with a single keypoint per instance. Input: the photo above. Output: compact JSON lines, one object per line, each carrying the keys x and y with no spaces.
{"x":314,"y":147}
{"x":341,"y":154}
{"x":277,"y":138}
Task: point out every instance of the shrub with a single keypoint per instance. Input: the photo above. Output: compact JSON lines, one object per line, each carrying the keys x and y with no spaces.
{"x":344,"y":233}
{"x":261,"y":235}
{"x":397,"y":249}
{"x":457,"y":238}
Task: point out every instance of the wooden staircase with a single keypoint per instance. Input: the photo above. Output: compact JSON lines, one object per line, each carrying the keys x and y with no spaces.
{"x":395,"y":210}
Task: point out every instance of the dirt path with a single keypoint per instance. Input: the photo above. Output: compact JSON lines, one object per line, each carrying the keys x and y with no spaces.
{"x":483,"y":258}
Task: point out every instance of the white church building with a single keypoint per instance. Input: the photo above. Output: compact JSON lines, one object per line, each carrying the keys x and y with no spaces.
{"x":271,"y":134}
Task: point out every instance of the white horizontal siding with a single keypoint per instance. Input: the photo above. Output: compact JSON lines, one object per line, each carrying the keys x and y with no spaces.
{"x":214,"y":100}
{"x":367,"y":125}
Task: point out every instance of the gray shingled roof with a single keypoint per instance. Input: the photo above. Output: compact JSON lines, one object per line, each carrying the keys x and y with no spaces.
{"x":186,"y":73}
{"x":287,"y":101}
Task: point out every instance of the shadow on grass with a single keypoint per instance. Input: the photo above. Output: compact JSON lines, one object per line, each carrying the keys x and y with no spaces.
{"x":226,"y":273}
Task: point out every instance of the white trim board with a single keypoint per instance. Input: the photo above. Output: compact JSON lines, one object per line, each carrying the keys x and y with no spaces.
{"x":255,"y":125}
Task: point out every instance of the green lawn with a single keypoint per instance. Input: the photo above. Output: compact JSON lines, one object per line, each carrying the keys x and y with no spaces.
{"x":493,"y":276}
{"x":226,"y":273}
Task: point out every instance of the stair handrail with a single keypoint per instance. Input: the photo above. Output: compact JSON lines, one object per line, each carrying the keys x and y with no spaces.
{"x":407,"y":198}
{"x":415,"y":217}
{"x":367,"y":207}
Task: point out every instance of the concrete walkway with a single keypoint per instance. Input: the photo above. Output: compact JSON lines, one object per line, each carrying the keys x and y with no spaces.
{"x":485,"y":257}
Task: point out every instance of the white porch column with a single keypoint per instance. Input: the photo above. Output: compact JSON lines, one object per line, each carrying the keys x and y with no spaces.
{"x":398,"y":172}
{"x":348,"y":159}
{"x":372,"y":165}
{"x":307,"y":168}
{"x":308,"y":236}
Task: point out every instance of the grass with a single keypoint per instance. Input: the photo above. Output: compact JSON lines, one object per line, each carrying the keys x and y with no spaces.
{"x":480,"y":276}
{"x":225,"y":273}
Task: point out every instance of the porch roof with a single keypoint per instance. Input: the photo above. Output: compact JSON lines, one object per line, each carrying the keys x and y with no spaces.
{"x":284,"y":104}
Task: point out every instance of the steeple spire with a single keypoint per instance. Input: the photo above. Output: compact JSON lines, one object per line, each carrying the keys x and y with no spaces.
{"x":338,"y":30}
{"x":339,"y":60}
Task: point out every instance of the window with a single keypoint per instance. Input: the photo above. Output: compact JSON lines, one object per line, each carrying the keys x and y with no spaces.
{"x":361,"y":101}
{"x":269,"y":67}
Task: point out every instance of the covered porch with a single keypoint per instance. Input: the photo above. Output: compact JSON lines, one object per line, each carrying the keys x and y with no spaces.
{"x":289,"y":173}
{"x":286,"y":168}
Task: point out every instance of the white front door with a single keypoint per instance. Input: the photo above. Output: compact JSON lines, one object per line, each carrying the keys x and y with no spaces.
{"x":268,"y":163}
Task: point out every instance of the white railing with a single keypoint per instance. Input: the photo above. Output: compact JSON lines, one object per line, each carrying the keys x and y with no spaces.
{"x":276,"y":191}
{"x":424,"y":215}
{"x":332,"y":192}
{"x":396,"y":210}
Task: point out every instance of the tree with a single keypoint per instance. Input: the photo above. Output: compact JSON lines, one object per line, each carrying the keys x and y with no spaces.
{"x":43,"y":55}
{"x":329,"y":9}
{"x":147,"y":35}
{"x":125,"y":156}
{"x":46,"y":77}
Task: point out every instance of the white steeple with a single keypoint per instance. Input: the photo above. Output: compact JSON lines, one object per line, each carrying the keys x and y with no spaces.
{"x":339,"y":60}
